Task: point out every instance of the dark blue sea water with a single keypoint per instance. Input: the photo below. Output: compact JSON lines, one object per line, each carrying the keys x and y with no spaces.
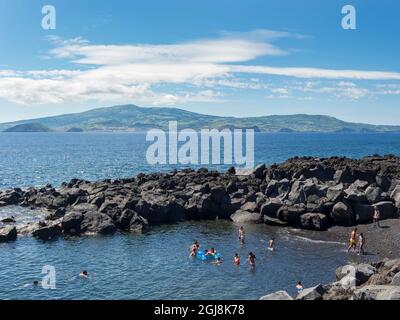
{"x":40,"y":158}
{"x":156,"y":265}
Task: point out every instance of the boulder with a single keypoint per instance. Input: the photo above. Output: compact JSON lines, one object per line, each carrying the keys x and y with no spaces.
{"x":250,"y":207}
{"x":338,"y":292}
{"x":387,"y":209}
{"x":138,"y":224}
{"x":125,"y":219}
{"x":377,"y":292}
{"x":348,"y":282}
{"x":374,"y":194}
{"x":383,"y":182}
{"x":335,"y":193}
{"x":59,"y":213}
{"x":8,"y":233}
{"x":296,"y":194}
{"x":392,"y":263}
{"x":355,"y":195}
{"x":314,"y":293}
{"x":96,"y":222}
{"x":271,"y":207}
{"x":159,"y":208}
{"x":343,"y":271}
{"x":198,"y":207}
{"x":71,"y":222}
{"x":231,"y":170}
{"x":396,"y":280}
{"x":234,"y":204}
{"x":364,"y":213}
{"x":277,"y":189}
{"x":361,"y":272}
{"x":231,"y":187}
{"x":343,"y":176}
{"x":291,"y":214}
{"x":379,"y":279}
{"x":274,"y":222}
{"x":11,"y":197}
{"x":279,"y":295}
{"x":258,"y":172}
{"x":84,"y":207}
{"x":8,"y":220}
{"x":241,"y":217}
{"x":48,"y":232}
{"x":342,"y":214}
{"x":97,"y":200}
{"x":395,"y":196}
{"x":364,"y":271}
{"x":314,"y":221}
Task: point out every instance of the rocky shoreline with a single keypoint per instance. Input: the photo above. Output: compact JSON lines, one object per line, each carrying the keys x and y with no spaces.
{"x":375,"y":281}
{"x":307,"y":193}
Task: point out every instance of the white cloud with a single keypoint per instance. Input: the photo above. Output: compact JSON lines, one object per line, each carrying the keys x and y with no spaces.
{"x":117,"y":73}
{"x":318,"y":73}
{"x":352,"y":93}
{"x":280,"y":91}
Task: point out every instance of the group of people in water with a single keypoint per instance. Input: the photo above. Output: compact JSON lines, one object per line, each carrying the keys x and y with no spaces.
{"x":251,"y":259}
{"x":356,"y":243}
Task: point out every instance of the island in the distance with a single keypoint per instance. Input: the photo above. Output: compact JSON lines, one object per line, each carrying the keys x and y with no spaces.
{"x":131,"y":118}
{"x":29,"y":127}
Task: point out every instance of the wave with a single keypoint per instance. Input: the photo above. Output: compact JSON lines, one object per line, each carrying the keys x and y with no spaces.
{"x":318,"y":241}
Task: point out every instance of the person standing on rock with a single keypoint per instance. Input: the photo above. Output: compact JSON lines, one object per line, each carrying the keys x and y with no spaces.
{"x":241,"y":234}
{"x":353,"y":240}
{"x":361,"y":243}
{"x":377,"y":217}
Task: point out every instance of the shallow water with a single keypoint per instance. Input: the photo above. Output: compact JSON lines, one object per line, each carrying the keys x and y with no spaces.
{"x":156,"y":265}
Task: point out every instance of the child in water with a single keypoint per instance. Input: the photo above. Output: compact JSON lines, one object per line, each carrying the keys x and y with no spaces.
{"x":252,"y":259}
{"x":271,"y":244}
{"x":218,"y":261}
{"x":84,"y":274}
{"x":241,"y":234}
{"x":194,"y":248}
{"x":236,"y":260}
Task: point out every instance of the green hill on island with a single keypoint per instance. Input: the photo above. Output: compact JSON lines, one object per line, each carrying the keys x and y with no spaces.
{"x":134,"y":118}
{"x":28,"y":127}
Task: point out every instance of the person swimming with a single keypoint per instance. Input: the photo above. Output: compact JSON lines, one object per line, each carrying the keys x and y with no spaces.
{"x":271,"y":244}
{"x":353,"y":240}
{"x":299,"y":287}
{"x":252,"y":259}
{"x":194,"y":248}
{"x":218,"y":261}
{"x":210,"y":252}
{"x":84,"y":274}
{"x":236,"y":259}
{"x":241,"y":234}
{"x":35,"y":283}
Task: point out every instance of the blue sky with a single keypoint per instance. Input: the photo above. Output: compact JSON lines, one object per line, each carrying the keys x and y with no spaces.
{"x":232,"y":58}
